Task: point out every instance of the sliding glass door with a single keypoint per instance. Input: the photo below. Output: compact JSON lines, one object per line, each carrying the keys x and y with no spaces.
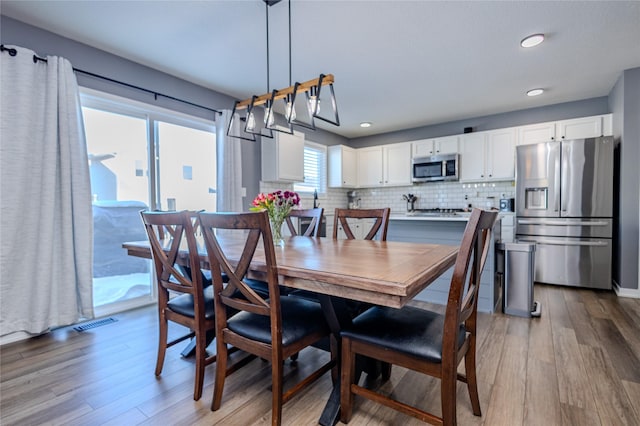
{"x":140,"y":158}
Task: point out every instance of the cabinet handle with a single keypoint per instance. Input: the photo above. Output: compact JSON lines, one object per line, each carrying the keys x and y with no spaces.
{"x":553,"y":138}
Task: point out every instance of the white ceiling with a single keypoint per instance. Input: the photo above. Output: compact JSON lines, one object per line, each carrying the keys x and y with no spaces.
{"x":398,"y":64}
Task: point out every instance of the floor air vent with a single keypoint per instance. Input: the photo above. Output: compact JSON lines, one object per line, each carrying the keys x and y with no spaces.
{"x":94,"y":324}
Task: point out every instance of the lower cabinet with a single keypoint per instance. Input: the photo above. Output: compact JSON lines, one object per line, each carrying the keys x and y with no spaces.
{"x":449,"y":232}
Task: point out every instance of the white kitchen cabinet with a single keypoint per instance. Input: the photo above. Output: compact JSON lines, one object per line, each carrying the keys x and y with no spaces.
{"x":444,"y":145}
{"x":472,"y":157}
{"x":396,"y":163}
{"x":585,"y":127}
{"x":359,"y":227}
{"x":385,"y":165}
{"x":370,"y":167}
{"x":536,"y":133}
{"x":487,"y":156}
{"x":283,"y":158}
{"x":575,"y":128}
{"x":343,"y":167}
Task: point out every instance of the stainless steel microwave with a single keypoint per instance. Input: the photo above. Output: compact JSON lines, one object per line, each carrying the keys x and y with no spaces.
{"x":435,"y":168}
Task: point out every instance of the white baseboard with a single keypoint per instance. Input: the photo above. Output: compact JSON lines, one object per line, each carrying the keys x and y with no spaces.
{"x":15,"y":337}
{"x":633,"y":293}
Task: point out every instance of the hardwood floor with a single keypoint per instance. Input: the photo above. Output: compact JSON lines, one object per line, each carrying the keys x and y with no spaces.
{"x":578,"y":364}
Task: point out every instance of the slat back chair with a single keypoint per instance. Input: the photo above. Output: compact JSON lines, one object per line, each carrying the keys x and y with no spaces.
{"x":316,"y":221}
{"x":381,"y":223}
{"x":193,"y":307}
{"x":426,"y":341}
{"x":273,"y":327}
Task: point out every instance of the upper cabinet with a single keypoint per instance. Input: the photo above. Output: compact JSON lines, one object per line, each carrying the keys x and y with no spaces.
{"x":536,"y":133}
{"x":426,"y":147}
{"x":386,"y":165}
{"x":575,"y":128}
{"x":396,"y":163}
{"x":370,"y":166}
{"x":283,"y":158}
{"x":343,"y":167}
{"x":486,"y":156}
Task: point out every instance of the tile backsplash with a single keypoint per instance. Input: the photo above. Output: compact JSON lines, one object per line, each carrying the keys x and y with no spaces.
{"x":451,"y":195}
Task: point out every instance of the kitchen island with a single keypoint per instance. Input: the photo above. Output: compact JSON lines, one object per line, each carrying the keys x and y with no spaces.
{"x":448,"y":229}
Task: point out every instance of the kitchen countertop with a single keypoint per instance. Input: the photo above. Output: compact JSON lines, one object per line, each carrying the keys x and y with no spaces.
{"x":458,"y":217}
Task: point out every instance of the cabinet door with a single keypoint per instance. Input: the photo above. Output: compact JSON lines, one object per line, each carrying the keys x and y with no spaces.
{"x":536,"y":133}
{"x":349,"y":168}
{"x":397,"y":164}
{"x":447,"y":145}
{"x":501,"y":154}
{"x":422,"y":148}
{"x":342,"y":167}
{"x":580,"y":128}
{"x":290,"y":157}
{"x":370,"y":167}
{"x":283,"y":158}
{"x":472,"y":157}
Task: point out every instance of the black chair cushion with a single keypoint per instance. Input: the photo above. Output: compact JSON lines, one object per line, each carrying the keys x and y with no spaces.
{"x":183,"y":304}
{"x":299,"y":318}
{"x":412,"y":331}
{"x":262,"y":288}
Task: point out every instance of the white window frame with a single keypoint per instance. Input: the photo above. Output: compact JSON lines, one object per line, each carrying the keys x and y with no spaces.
{"x":319,"y":184}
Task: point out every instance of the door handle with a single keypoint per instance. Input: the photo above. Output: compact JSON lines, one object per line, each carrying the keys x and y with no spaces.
{"x":567,"y":243}
{"x":559,"y":223}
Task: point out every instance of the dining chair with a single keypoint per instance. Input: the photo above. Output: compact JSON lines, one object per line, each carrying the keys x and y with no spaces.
{"x":380,"y":225}
{"x":193,"y":307}
{"x":425,"y":341}
{"x":273,"y":328}
{"x":313,"y":230}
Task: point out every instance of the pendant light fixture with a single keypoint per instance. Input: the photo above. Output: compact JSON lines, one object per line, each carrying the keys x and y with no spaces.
{"x":260,"y":115}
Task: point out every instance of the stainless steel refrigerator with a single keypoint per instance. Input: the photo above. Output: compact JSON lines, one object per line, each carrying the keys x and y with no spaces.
{"x":564,"y":203}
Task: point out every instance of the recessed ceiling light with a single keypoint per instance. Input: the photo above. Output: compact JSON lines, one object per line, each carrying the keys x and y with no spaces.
{"x":535,"y":92}
{"x":365,"y":124}
{"x":532,"y":40}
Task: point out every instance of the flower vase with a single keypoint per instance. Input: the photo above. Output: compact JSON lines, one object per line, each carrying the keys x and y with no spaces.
{"x":276,"y":232}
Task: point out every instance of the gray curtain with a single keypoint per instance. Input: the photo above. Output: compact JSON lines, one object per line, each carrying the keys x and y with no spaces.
{"x":46,"y":248}
{"x":229,"y":152}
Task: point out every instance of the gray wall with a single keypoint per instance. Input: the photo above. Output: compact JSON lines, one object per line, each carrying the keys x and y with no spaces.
{"x":624,"y":101}
{"x":87,"y":58}
{"x":584,"y":108}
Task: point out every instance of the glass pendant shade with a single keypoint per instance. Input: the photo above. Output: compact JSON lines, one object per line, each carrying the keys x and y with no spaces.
{"x":276,"y":114}
{"x":257,"y":119}
{"x":237,"y":124}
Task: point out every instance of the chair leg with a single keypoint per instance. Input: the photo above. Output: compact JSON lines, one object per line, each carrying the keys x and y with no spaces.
{"x":385,"y":369}
{"x":472,"y":381}
{"x":162,"y":342}
{"x":276,"y":391}
{"x":221,"y":373}
{"x":201,"y":356}
{"x":448,"y":397}
{"x":348,"y":376}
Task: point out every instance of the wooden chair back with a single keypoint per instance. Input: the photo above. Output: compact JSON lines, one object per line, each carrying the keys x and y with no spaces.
{"x":316,"y":221}
{"x":462,"y":303}
{"x":381,"y":223}
{"x":167,"y":232}
{"x":254,"y":229}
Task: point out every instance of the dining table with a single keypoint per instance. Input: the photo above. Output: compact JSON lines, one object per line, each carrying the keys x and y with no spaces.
{"x":386,"y":273}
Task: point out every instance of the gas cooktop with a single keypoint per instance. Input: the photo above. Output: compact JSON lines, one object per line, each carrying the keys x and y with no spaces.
{"x":434,"y":212}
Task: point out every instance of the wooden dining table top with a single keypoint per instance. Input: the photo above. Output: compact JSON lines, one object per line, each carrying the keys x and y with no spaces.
{"x":385,"y":273}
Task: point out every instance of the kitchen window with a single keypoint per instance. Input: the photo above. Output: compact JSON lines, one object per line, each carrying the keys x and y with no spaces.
{"x":315,"y":169}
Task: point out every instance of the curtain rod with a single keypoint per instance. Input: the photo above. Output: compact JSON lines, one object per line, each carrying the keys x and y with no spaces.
{"x":14,"y":52}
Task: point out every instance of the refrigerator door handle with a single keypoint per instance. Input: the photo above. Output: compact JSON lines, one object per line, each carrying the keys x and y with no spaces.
{"x":561,"y":223}
{"x":567,"y":243}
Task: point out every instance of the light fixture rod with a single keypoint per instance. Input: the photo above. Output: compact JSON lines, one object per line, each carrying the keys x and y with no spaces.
{"x":302,"y":87}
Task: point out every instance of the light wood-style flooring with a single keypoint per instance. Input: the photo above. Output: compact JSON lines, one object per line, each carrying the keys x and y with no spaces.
{"x":579,"y":364}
